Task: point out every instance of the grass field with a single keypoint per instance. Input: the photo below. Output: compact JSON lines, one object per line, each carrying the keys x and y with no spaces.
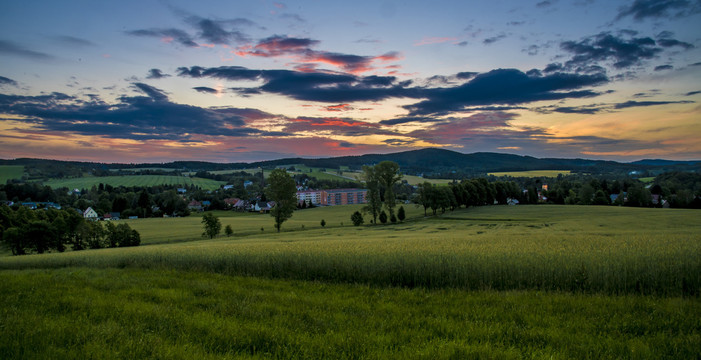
{"x":532,"y":173}
{"x":134,"y":180}
{"x":89,"y":313}
{"x":9,"y":172}
{"x":506,"y":282}
{"x":607,"y":250}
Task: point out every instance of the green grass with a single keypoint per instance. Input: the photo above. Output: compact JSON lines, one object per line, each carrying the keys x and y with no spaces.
{"x":532,"y":173}
{"x":134,"y":180}
{"x":609,"y":250}
{"x":9,"y":172}
{"x":81,"y":313}
{"x":647,"y":180}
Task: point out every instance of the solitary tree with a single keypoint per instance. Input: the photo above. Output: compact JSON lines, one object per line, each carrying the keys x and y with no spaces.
{"x":374,"y":201}
{"x":401,"y":215}
{"x":282,"y":190}
{"x":323,"y":222}
{"x":212,"y":225}
{"x":228,"y":230}
{"x":387,"y":173}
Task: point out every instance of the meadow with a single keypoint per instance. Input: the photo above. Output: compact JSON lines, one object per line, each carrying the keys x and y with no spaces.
{"x":532,"y":173}
{"x":592,"y":249}
{"x":508,"y":282}
{"x":134,"y":180}
{"x":9,"y":172}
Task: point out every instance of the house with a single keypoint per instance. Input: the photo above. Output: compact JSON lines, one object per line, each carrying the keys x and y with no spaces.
{"x":228,"y":187}
{"x":29,"y":204}
{"x":262,"y":206}
{"x":182,"y":190}
{"x":230,"y":202}
{"x":195,"y":205}
{"x":309,"y":196}
{"x":247,"y":183}
{"x":240,"y":205}
{"x":111,"y":216}
{"x":90,"y":214}
{"x":512,"y":201}
{"x":343,"y":196}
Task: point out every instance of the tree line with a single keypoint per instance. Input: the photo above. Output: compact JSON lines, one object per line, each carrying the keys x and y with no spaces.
{"x":27,"y":231}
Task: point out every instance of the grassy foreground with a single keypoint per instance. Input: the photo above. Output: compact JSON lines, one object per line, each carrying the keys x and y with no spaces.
{"x":86,"y":313}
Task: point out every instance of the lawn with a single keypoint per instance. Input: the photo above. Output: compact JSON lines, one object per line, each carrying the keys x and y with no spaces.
{"x":134,"y":180}
{"x":9,"y":172}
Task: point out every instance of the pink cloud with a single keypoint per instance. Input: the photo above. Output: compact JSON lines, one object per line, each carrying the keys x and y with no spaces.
{"x":435,"y":40}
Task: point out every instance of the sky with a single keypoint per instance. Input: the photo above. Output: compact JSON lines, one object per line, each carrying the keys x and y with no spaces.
{"x":243,"y":81}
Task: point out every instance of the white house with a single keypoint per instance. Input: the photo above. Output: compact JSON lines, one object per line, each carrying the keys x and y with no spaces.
{"x":90,"y":214}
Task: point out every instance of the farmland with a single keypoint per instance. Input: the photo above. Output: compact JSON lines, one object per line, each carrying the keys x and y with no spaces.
{"x":532,"y":173}
{"x":496,"y":281}
{"x":8,"y":172}
{"x":134,"y":180}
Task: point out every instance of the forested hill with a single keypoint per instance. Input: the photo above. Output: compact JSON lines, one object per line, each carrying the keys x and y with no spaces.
{"x":425,"y":161}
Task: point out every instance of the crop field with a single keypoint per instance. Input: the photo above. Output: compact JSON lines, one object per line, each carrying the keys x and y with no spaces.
{"x":554,"y":248}
{"x":532,"y":173}
{"x":9,"y":172}
{"x":134,"y":180}
{"x":91,"y":313}
{"x":498,"y":282}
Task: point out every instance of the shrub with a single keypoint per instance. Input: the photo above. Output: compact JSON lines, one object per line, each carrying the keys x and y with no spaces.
{"x":357,"y":218}
{"x":383,"y":217}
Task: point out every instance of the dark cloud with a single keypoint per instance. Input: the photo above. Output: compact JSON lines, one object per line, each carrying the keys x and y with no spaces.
{"x":695,"y":64}
{"x":301,"y":49}
{"x":156,"y":74}
{"x":172,"y":34}
{"x":141,"y":118}
{"x":206,"y":90}
{"x":673,"y":42}
{"x":692,"y":93}
{"x":545,"y":3}
{"x":553,"y":67}
{"x":10,"y":48}
{"x":505,"y":86}
{"x":314,"y":86}
{"x":334,"y":126}
{"x":493,"y":39}
{"x":7,"y":81}
{"x":408,"y":119}
{"x":605,"y":47}
{"x":629,"y":104}
{"x":152,"y":92}
{"x":74,"y":41}
{"x":663,"y":67}
{"x":641,"y":9}
{"x":399,"y":142}
{"x":465,"y":75}
{"x":213,"y":31}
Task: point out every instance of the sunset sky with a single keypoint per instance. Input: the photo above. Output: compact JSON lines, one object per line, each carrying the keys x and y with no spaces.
{"x":232,"y":81}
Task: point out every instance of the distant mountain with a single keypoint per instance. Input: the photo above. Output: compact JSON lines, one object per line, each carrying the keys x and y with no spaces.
{"x":429,"y":161}
{"x":661,"y":162}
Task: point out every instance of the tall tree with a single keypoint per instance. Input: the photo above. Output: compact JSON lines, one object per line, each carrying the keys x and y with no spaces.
{"x":282,"y":190}
{"x":373,"y":200}
{"x":387,"y":173}
{"x":212,"y":225}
